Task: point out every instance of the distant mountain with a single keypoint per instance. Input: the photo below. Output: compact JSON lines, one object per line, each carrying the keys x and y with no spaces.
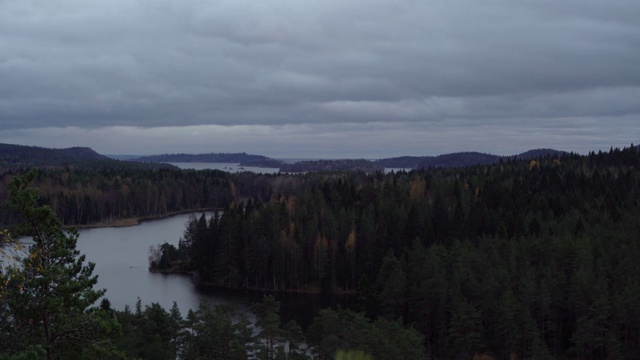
{"x":203,"y":158}
{"x":332,"y":165}
{"x":14,"y":157}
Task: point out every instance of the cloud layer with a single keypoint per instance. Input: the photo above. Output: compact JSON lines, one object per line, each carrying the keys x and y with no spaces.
{"x":554,"y":72}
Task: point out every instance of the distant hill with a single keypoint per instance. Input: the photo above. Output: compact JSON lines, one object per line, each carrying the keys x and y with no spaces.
{"x":460,"y":159}
{"x":12,"y":153}
{"x":406,"y":162}
{"x":13,"y":157}
{"x":122,"y":157}
{"x":203,"y":158}
{"x":20,"y":157}
{"x":264,"y":163}
{"x":332,"y":165}
{"x":536,"y":153}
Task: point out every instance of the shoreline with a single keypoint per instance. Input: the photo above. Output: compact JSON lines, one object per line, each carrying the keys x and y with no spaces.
{"x":205,"y":285}
{"x":134,"y":221}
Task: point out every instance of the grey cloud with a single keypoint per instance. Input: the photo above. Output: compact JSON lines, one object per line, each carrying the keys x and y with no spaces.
{"x":370,"y":140}
{"x":154,"y":63}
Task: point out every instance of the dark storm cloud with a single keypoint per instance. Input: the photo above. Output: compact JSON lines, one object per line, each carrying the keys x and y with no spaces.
{"x":415,"y":65}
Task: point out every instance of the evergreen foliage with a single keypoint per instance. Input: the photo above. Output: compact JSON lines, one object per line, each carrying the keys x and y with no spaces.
{"x":106,"y":195}
{"x":47,"y":306}
{"x":527,"y":258}
{"x":518,"y":259}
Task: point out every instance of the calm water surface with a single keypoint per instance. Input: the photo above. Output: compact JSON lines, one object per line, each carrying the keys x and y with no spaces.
{"x":121,"y":258}
{"x":233,"y":168}
{"x":228,"y":167}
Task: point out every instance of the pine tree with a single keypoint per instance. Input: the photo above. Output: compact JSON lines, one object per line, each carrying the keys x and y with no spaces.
{"x":269,"y":323}
{"x":50,"y":297}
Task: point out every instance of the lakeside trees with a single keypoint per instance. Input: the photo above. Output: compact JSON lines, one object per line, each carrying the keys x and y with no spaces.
{"x":47,"y":300}
{"x":527,"y":258}
{"x":225,"y":332}
{"x":534,"y":259}
{"x":48,"y":309}
{"x":82,"y":196}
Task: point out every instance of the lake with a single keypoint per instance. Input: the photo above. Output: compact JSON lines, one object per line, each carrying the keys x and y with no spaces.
{"x":121,"y":258}
{"x":228,"y":167}
{"x":233,"y":167}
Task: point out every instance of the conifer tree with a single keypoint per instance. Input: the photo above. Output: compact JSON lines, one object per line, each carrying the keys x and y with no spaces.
{"x":49,"y":299}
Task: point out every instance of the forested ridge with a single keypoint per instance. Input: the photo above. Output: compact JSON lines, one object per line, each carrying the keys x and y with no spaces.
{"x":85,"y":197}
{"x":534,"y":259}
{"x":520,"y":259}
{"x":49,"y":310}
{"x":332,"y":165}
{"x":211,"y":157}
{"x":20,"y":157}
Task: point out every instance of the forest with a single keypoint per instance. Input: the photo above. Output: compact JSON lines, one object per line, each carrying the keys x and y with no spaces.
{"x":518,"y":259}
{"x":534,"y":259}
{"x":49,"y":310}
{"x":102,"y":196}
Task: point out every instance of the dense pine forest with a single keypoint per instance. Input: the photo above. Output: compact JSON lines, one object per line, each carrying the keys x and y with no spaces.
{"x":535,"y":259}
{"x":518,"y":259}
{"x":106,"y":195}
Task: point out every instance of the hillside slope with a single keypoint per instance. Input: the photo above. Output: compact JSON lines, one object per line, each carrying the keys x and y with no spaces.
{"x":15,"y":157}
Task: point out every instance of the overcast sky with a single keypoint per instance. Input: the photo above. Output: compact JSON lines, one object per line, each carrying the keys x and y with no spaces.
{"x":320,"y":78}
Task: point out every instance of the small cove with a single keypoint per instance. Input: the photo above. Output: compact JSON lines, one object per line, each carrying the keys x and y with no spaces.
{"x":120,"y":255}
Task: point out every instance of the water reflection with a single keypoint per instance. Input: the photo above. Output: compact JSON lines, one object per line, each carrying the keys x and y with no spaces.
{"x":121,"y":258}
